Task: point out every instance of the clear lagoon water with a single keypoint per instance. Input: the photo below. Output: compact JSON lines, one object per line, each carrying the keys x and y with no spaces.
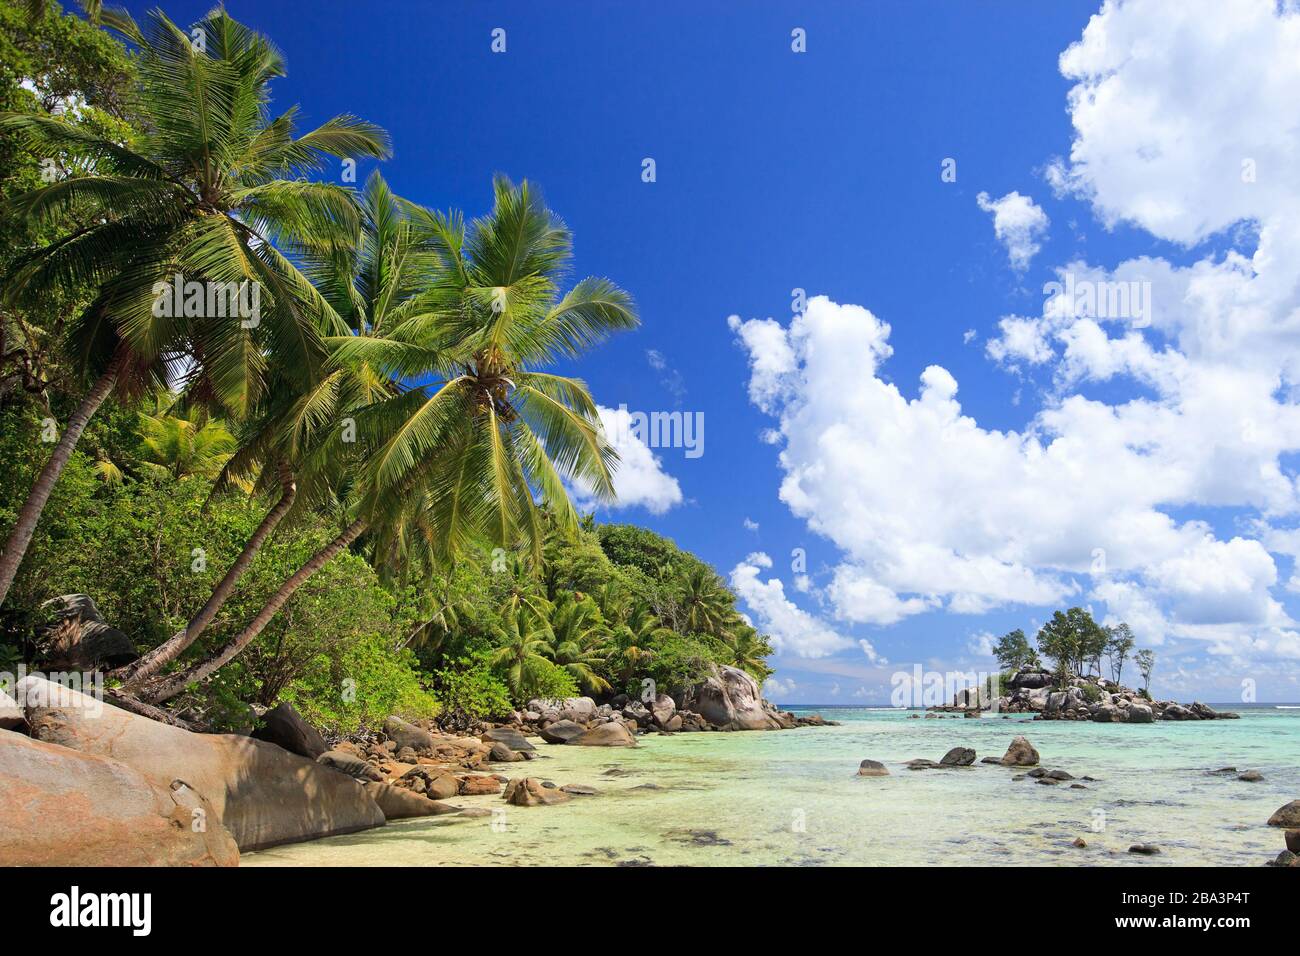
{"x":793,"y":798}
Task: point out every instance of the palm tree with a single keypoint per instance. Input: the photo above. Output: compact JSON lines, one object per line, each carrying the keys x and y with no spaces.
{"x":634,"y":629}
{"x":579,"y":631}
{"x":705,"y":601}
{"x":524,"y":651}
{"x":209,"y":192}
{"x":749,"y":651}
{"x":182,"y":445}
{"x":467,"y":447}
{"x":296,"y":440}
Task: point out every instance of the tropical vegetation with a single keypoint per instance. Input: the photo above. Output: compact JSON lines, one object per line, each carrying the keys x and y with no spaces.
{"x":300,"y":441}
{"x":1076,"y":644}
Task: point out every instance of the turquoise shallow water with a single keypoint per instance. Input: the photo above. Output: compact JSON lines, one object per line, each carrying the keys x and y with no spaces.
{"x":793,"y":798}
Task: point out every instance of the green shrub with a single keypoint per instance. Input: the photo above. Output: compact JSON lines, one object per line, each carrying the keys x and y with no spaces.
{"x":356,"y":686}
{"x":552,"y":681}
{"x":468,"y":691}
{"x":682,"y":659}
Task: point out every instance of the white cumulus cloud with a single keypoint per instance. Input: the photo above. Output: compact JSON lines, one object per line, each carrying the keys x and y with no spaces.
{"x":639,"y":476}
{"x":1019,"y":223}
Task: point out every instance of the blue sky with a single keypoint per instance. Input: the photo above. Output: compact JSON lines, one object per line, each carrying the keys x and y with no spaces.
{"x":820,"y":171}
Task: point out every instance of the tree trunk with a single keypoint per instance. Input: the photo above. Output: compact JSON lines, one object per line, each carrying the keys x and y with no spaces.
{"x":168,"y":686}
{"x":134,"y":673}
{"x":133,"y":706}
{"x":21,"y":536}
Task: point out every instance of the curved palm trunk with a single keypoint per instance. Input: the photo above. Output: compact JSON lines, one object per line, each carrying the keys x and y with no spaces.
{"x":162,"y":655}
{"x":172,"y":684}
{"x":21,"y":535}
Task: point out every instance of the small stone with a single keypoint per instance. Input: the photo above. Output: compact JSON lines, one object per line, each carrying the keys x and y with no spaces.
{"x":1144,"y":849}
{"x":1080,"y":843}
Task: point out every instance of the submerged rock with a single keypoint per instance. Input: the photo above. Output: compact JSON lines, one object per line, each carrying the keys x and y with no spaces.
{"x":872,"y":768}
{"x":1144,"y":849}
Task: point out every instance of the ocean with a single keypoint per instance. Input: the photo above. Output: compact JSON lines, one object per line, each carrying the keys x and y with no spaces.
{"x":794,"y":798}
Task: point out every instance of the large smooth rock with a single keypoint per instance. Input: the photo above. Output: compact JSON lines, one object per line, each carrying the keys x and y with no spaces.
{"x":80,"y":639}
{"x":65,"y":808}
{"x":284,"y":727}
{"x":350,"y":764}
{"x":262,"y":793}
{"x":11,"y":715}
{"x":408,"y":735}
{"x":1287,"y":816}
{"x":663,"y":709}
{"x":958,"y":757}
{"x":612,"y":734}
{"x":400,"y":804}
{"x":508,"y":736}
{"x":578,"y":709}
{"x":1138,"y":714}
{"x":561,"y":732}
{"x":500,"y":753}
{"x":872,"y":768}
{"x":730,"y":700}
{"x":1030,"y":678}
{"x":1021,"y":753}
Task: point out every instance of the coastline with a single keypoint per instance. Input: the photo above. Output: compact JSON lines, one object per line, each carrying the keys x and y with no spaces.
{"x":728,"y":797}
